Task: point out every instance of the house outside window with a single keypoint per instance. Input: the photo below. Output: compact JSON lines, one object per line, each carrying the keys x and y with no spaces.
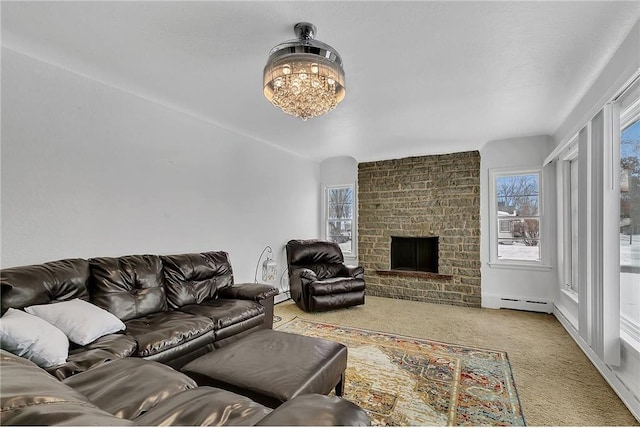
{"x":516,"y":217}
{"x":339,"y":217}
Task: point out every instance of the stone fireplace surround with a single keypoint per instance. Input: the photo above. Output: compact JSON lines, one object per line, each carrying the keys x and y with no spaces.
{"x":421,"y":197}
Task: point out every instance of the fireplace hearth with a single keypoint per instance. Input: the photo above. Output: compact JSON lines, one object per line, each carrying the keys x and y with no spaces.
{"x":418,"y":254}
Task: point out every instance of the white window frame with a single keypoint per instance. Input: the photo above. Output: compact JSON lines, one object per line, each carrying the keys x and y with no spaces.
{"x":571,"y":281}
{"x":351,"y":253}
{"x":495,"y":262}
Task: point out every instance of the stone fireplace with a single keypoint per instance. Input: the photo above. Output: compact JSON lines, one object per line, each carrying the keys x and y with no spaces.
{"x":418,"y":209}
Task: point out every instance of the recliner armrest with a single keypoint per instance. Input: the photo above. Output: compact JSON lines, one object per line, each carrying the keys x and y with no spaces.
{"x":255,"y":292}
{"x":304,"y":273}
{"x":353,"y":271}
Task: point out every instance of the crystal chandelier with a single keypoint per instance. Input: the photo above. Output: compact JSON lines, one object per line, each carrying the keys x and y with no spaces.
{"x":304,"y":77}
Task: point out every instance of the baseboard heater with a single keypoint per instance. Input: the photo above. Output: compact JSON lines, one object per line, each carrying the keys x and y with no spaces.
{"x":526,"y":304}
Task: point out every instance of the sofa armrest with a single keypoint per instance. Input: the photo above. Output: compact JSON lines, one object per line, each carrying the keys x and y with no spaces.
{"x":204,"y":406}
{"x":317,"y":410}
{"x":107,"y":348}
{"x":255,"y":292}
{"x":353,"y":271}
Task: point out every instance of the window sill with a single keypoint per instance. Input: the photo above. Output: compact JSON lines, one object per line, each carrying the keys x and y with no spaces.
{"x":632,"y":345}
{"x":519,"y":266}
{"x":350,"y":258}
{"x":630,"y":333}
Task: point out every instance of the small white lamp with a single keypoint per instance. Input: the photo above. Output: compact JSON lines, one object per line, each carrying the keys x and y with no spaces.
{"x":269,"y":267}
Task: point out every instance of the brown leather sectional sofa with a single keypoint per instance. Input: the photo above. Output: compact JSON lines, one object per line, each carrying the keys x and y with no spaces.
{"x":175,"y":308}
{"x":133,"y":391}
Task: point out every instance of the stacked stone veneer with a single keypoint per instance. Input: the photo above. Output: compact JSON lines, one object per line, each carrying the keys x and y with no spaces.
{"x":422,"y":196}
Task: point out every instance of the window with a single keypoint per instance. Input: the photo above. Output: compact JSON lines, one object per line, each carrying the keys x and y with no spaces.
{"x":569,"y":173}
{"x":629,"y":221}
{"x":339,"y":217}
{"x":506,"y":226}
{"x":572,"y":283}
{"x":516,"y":237}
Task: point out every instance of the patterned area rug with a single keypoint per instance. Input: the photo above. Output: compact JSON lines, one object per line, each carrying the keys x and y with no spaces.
{"x":408,"y":381}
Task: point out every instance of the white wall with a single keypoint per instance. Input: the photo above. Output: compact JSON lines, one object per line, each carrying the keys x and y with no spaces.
{"x":338,"y":171}
{"x":625,"y":378}
{"x":522,"y":284}
{"x":89,"y":170}
{"x":624,"y":63}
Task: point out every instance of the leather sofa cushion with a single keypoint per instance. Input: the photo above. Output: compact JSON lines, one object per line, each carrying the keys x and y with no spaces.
{"x":160,"y":331}
{"x":107,"y":348}
{"x":248,"y":291}
{"x":55,"y":281}
{"x":205,"y":406}
{"x":129,"y":387}
{"x":65,"y":413}
{"x":318,"y":410}
{"x":233,"y":333}
{"x":30,"y":396}
{"x":336,"y":286}
{"x":224,"y":312}
{"x":129,"y":286}
{"x":194,"y":278}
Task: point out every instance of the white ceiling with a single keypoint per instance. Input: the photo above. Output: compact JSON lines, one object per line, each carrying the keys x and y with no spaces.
{"x":422,"y":77}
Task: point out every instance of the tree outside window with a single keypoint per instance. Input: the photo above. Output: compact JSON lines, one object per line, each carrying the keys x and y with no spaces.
{"x":340,"y":217}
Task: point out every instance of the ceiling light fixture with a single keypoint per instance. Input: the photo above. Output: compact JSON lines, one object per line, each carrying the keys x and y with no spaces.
{"x":304,"y":77}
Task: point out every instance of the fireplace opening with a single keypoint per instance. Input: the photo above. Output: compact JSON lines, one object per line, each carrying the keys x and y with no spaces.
{"x":414,"y":253}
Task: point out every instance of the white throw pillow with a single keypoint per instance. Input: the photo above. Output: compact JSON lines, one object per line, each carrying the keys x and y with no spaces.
{"x":81,"y":321}
{"x":33,"y":338}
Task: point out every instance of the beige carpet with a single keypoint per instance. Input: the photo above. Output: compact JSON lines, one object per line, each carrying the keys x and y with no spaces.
{"x":556,"y":382}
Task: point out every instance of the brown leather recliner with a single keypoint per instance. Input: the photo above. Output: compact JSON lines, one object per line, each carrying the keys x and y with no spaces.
{"x":319,"y":279}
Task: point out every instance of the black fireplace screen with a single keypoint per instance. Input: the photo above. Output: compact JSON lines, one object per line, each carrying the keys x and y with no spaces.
{"x":415,"y":254}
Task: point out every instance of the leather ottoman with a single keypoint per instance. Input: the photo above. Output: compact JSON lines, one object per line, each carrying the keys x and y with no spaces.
{"x":272,"y":367}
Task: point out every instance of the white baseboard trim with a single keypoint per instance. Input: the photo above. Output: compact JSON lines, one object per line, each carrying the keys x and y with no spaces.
{"x":567,"y":316}
{"x":627,"y":397}
{"x":519,"y":303}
